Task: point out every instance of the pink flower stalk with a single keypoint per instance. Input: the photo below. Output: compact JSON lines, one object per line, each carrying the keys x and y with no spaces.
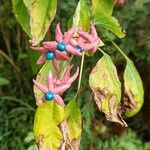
{"x":52,"y":54}
{"x":119,"y":2}
{"x":87,"y":41}
{"x":62,"y":42}
{"x":56,"y":87}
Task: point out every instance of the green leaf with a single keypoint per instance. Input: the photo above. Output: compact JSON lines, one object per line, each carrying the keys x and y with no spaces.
{"x":3,"y":81}
{"x":106,"y":87}
{"x":102,"y":12}
{"x":82,"y":15}
{"x":105,"y":6}
{"x":33,"y":57}
{"x":110,"y":23}
{"x":47,"y":118}
{"x":73,"y":118}
{"x":22,"y":15}
{"x":42,"y":13}
{"x":134,"y":93}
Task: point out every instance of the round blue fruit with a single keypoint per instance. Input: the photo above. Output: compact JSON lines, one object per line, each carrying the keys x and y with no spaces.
{"x":61,"y":46}
{"x":79,"y":49}
{"x":50,"y":55}
{"x":49,"y":96}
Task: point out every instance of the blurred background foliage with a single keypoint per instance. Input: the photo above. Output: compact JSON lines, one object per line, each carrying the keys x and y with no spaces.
{"x":17,"y":105}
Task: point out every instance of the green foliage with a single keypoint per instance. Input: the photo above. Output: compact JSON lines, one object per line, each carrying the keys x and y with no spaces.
{"x":102,"y":11}
{"x":22,"y":15}
{"x":3,"y":81}
{"x":126,"y":141}
{"x":133,"y":89}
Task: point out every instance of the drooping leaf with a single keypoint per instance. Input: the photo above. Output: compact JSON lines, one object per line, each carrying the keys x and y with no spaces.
{"x":3,"y":81}
{"x":102,"y":12}
{"x":134,"y":93}
{"x":41,"y":13}
{"x":105,"y":6}
{"x":82,"y":15}
{"x":22,"y":15}
{"x":71,"y":126}
{"x":106,"y":87}
{"x":73,"y":117}
{"x":47,"y":118}
{"x":110,"y":23}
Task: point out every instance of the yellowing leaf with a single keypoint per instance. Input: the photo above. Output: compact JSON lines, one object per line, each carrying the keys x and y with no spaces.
{"x":71,"y":126}
{"x":41,"y":13}
{"x":106,"y":87}
{"x":82,"y":15}
{"x":47,"y":133}
{"x":134,"y":93}
{"x":73,"y":118}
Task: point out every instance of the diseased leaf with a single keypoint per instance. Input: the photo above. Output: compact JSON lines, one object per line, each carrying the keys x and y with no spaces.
{"x":71,"y":126}
{"x":106,"y":87}
{"x":22,"y":15}
{"x":47,"y":133}
{"x":42,"y":13}
{"x":102,"y":12}
{"x":82,"y":15}
{"x":105,"y":6}
{"x":134,"y":93}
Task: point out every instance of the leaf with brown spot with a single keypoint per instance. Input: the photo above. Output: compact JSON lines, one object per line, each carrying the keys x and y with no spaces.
{"x":134,"y":93}
{"x":106,"y":87}
{"x":71,"y":127}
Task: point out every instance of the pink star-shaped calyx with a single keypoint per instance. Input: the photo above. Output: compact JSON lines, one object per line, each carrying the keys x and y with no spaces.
{"x":62,"y":42}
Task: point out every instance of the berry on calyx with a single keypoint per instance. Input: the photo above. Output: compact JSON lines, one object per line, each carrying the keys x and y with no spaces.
{"x":79,"y":49}
{"x":50,"y":55}
{"x":61,"y":46}
{"x":49,"y":96}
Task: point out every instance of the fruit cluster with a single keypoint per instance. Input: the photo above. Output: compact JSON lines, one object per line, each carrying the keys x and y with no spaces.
{"x":72,"y":42}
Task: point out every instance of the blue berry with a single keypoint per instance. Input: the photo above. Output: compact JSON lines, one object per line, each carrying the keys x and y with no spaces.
{"x":49,"y":96}
{"x":61,"y":46}
{"x":79,"y":49}
{"x":50,"y":55}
